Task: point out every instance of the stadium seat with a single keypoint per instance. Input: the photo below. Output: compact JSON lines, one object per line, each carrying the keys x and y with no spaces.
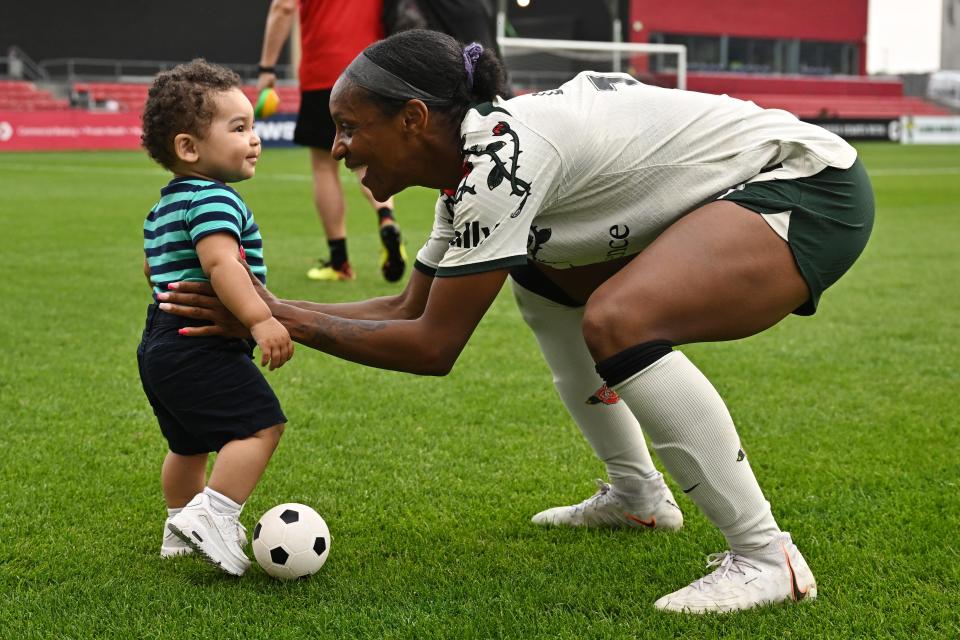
{"x":813,"y":97}
{"x":19,"y":95}
{"x":835,"y":106}
{"x":132,"y":96}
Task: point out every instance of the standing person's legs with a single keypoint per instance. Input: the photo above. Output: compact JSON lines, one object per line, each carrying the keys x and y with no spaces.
{"x":639,"y":497}
{"x":393,"y":255}
{"x":316,"y":130}
{"x":720,"y":273}
{"x":384,"y":210}
{"x":328,"y":194}
{"x":331,"y":209}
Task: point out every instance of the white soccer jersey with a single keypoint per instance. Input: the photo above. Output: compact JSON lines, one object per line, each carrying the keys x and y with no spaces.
{"x":596,"y":169}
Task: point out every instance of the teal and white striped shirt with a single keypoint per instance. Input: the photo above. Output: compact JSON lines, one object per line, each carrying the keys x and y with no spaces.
{"x":189,"y":209}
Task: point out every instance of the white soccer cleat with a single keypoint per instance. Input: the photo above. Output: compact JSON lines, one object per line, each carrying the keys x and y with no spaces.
{"x":219,"y":539}
{"x":608,"y":508}
{"x":173,"y":546}
{"x":776,"y":573}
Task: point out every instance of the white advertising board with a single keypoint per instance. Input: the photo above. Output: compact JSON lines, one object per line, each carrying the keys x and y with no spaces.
{"x":930,"y":130}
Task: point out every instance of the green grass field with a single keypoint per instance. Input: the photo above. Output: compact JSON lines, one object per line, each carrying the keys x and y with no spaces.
{"x":428,"y":484}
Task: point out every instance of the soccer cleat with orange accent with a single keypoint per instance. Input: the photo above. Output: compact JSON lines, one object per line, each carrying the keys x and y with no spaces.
{"x":775,"y":573}
{"x":608,"y":508}
{"x":324,"y":271}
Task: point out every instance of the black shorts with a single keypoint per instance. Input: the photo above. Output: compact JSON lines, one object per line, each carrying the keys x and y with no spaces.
{"x":205,"y":391}
{"x":315,"y":127}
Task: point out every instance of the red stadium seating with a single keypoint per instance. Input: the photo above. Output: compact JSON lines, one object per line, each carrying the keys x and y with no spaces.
{"x":131,"y":97}
{"x":847,"y":97}
{"x":880,"y":107}
{"x":814,"y":97}
{"x":18,"y":95}
{"x":794,"y":84}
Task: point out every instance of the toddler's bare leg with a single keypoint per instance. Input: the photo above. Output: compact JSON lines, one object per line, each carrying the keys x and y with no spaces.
{"x":240,"y":463}
{"x":182,"y":478}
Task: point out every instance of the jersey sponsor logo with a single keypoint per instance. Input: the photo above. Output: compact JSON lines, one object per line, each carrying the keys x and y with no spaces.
{"x":471,"y":236}
{"x":536,"y":238}
{"x":619,"y":240}
{"x":604,"y":395}
{"x":550,"y":92}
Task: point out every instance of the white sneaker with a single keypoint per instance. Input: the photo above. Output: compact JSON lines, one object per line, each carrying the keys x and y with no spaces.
{"x":608,"y":508}
{"x":776,"y":573}
{"x":173,"y":546}
{"x":219,"y":539}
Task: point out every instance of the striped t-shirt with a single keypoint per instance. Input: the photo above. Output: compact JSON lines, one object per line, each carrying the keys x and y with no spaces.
{"x":189,"y":209}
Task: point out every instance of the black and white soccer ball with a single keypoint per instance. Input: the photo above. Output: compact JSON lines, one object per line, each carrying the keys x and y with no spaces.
{"x":291,"y":541}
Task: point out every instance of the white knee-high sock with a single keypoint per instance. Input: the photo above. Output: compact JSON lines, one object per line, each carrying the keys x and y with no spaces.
{"x":606,"y":423}
{"x":693,"y":434}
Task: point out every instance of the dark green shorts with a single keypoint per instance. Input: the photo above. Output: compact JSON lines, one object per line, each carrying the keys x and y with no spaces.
{"x":827,"y":219}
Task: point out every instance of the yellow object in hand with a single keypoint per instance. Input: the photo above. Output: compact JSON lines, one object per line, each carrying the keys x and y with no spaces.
{"x":267,"y":104}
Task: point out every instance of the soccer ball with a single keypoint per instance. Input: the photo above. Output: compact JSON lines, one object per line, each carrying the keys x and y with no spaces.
{"x":291,"y":541}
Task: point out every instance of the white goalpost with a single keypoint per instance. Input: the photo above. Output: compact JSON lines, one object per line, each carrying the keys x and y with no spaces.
{"x":536,"y":64}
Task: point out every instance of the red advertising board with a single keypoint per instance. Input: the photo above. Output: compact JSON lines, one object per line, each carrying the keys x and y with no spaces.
{"x":56,"y":130}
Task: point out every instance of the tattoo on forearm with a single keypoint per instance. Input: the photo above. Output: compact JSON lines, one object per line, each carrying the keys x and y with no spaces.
{"x":330,"y":331}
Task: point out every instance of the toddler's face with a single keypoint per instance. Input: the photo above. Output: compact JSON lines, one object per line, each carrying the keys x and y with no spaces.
{"x":230,"y":149}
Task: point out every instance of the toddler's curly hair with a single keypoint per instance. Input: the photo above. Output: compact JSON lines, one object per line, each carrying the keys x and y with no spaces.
{"x":179,"y":101}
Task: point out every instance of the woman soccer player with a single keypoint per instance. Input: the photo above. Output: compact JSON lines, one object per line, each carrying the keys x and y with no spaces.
{"x":631,"y":219}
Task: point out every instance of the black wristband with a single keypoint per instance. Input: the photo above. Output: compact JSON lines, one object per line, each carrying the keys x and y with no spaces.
{"x":263,"y":69}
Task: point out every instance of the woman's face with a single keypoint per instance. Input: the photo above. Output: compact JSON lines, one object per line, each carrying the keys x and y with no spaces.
{"x":367,"y":138}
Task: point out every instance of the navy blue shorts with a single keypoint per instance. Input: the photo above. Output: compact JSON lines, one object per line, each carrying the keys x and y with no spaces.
{"x":205,"y":391}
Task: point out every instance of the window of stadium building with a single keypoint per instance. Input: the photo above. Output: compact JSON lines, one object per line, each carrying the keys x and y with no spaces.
{"x":703,"y":52}
{"x":828,"y":57}
{"x":754,"y":55}
{"x":761,"y":55}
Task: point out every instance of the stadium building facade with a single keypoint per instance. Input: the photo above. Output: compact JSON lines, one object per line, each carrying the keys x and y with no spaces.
{"x":812,"y":37}
{"x":804,"y":56}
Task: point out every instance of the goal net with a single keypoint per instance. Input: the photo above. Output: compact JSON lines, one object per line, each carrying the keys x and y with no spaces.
{"x":541,"y":64}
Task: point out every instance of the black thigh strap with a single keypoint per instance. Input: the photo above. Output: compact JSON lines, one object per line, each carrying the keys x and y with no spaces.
{"x":632,"y":360}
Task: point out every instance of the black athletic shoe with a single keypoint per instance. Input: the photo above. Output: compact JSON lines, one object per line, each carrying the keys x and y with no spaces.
{"x":393,"y":256}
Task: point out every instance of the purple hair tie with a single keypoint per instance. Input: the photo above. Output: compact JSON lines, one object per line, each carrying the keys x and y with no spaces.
{"x":471,"y":53}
